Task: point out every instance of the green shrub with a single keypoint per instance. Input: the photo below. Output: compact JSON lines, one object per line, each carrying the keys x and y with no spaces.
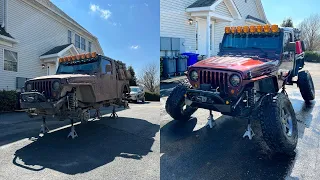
{"x":152,"y":96}
{"x":8,"y":100}
{"x":310,"y":56}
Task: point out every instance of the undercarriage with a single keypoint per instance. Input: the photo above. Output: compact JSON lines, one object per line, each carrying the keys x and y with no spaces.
{"x":67,"y":107}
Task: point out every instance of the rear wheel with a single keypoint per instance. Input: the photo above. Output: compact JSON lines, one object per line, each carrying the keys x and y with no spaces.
{"x":175,"y":105}
{"x":306,"y":86}
{"x":279,"y":124}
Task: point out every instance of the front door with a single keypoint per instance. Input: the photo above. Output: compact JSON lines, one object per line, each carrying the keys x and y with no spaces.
{"x":202,"y":34}
{"x":202,"y":37}
{"x":108,"y":79}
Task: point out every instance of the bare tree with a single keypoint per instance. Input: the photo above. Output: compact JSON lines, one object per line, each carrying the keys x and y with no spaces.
{"x":310,"y":32}
{"x":150,"y":77}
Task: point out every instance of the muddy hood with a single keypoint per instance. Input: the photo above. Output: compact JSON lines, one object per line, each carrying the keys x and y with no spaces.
{"x":71,"y":78}
{"x":239,"y":64}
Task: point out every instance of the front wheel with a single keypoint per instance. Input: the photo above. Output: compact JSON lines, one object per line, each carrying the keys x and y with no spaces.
{"x":175,"y":105}
{"x":279,"y":124}
{"x":306,"y":86}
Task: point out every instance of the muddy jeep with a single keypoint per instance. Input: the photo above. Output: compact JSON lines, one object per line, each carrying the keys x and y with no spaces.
{"x":82,"y":82}
{"x":247,"y":79}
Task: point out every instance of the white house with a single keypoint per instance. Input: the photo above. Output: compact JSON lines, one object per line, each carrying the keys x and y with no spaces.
{"x":201,"y":22}
{"x":33,"y":35}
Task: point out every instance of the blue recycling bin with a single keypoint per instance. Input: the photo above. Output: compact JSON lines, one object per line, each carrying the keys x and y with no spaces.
{"x":193,"y":58}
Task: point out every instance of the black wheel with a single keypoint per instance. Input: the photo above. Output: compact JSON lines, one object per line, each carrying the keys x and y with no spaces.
{"x":306,"y":86}
{"x":175,"y":105}
{"x":279,"y":124}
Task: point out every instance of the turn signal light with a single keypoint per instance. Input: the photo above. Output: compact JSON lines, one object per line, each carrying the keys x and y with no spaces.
{"x":78,"y":57}
{"x":74,"y":58}
{"x":253,"y":29}
{"x":83,"y":56}
{"x":69,"y":58}
{"x":94,"y":54}
{"x":245,"y":29}
{"x":275,"y":28}
{"x":88,"y":55}
{"x":65,"y":59}
{"x":60,"y":60}
{"x":227,"y":30}
{"x":239,"y":29}
{"x":266,"y":28}
{"x":259,"y":29}
{"x":233,"y":29}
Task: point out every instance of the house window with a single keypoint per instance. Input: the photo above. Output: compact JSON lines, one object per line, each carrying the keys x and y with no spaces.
{"x":77,"y":40}
{"x":89,"y":46}
{"x":83,"y":43}
{"x":69,"y":37}
{"x":10,"y":61}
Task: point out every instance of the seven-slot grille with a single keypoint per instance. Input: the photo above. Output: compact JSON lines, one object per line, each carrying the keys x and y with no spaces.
{"x":216,"y":79}
{"x":44,"y":87}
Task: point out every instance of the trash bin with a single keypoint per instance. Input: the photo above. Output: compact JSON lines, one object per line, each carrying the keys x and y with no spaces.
{"x":169,"y":66}
{"x":182,"y":64}
{"x":193,"y":58}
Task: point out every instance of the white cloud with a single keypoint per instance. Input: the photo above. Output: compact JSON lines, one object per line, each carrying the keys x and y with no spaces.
{"x":132,"y":6}
{"x":104,"y":13}
{"x":109,"y":4}
{"x":146,"y":4}
{"x":135,"y":47}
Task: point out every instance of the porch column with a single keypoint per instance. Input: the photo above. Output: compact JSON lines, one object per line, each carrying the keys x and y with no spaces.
{"x":57,"y":65}
{"x":208,"y":35}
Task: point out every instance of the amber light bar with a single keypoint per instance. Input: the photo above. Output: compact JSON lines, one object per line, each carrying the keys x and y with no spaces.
{"x":252,"y":29}
{"x":78,"y":57}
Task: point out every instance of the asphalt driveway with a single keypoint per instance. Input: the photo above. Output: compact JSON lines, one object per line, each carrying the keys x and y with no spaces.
{"x":124,"y":148}
{"x":193,"y":151}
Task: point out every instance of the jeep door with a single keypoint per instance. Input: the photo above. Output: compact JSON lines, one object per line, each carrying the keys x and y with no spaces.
{"x":108,"y":79}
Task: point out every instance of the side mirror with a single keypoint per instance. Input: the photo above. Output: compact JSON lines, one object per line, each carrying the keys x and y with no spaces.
{"x":291,"y":47}
{"x":108,"y":68}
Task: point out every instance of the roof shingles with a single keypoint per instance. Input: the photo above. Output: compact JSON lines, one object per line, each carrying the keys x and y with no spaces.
{"x":56,"y":49}
{"x":202,"y":3}
{"x":256,"y":19}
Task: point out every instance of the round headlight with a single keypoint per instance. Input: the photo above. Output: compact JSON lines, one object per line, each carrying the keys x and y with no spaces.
{"x":194,"y":75}
{"x":56,"y":85}
{"x":28,"y":87}
{"x":235,"y":80}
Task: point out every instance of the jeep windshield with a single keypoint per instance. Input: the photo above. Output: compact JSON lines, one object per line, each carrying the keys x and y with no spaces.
{"x":246,"y":43}
{"x":80,"y":68}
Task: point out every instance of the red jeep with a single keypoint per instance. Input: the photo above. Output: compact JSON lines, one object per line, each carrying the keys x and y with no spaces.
{"x":247,"y":79}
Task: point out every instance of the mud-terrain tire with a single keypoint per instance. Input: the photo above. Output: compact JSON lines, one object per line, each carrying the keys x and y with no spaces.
{"x":176,"y":102}
{"x":277,"y":136}
{"x":306,"y":86}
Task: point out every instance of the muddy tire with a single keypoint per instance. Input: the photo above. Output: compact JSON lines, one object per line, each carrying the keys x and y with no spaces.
{"x":306,"y":86}
{"x":175,"y":105}
{"x":279,"y":124}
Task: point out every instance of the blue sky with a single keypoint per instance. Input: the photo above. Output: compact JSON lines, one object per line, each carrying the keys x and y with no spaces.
{"x":128,"y":30}
{"x":277,"y":10}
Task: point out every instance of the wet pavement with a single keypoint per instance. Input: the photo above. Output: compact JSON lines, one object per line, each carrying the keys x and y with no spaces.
{"x":193,"y":151}
{"x":124,"y":148}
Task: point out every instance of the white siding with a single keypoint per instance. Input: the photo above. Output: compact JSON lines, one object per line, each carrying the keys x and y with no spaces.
{"x":245,"y":9}
{"x":223,"y":10}
{"x":174,"y":22}
{"x":37,"y":33}
{"x":218,"y":35}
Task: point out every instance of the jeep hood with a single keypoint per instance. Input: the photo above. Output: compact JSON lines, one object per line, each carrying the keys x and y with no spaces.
{"x":240,"y":64}
{"x":61,"y":76}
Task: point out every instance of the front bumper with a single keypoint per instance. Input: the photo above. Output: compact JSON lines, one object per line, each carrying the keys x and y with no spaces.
{"x":38,"y":101}
{"x":207,"y":100}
